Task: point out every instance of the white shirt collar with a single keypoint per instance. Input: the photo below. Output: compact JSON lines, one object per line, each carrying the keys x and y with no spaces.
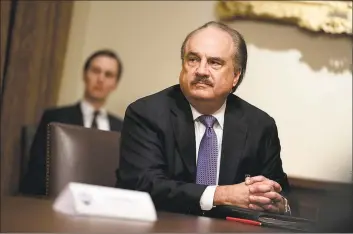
{"x":87,"y":109}
{"x":219,"y":114}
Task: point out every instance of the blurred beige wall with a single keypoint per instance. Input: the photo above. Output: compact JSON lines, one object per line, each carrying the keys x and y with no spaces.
{"x":303,"y":80}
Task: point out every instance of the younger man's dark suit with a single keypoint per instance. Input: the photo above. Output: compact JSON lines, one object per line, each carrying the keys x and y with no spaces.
{"x":34,"y":180}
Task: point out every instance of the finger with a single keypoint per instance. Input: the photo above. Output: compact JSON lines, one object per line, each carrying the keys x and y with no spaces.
{"x":260,"y":188}
{"x":268,"y":182}
{"x":274,"y":196}
{"x":255,"y":179}
{"x":260,"y":178}
{"x":277,"y":186}
{"x":260,"y":200}
{"x":248,"y":181}
{"x":271,"y":208}
{"x":255,"y":207}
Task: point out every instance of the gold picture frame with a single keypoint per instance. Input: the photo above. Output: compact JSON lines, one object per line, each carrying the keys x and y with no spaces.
{"x":333,"y":17}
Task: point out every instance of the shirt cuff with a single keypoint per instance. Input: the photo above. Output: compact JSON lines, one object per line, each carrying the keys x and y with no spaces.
{"x":206,"y":201}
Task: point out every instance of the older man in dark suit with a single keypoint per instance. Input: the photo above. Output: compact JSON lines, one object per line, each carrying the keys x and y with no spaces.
{"x":101,"y":75}
{"x":191,"y":146}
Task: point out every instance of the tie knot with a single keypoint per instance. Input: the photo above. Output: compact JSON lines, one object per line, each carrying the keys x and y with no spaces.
{"x":96,"y":113}
{"x":207,"y":120}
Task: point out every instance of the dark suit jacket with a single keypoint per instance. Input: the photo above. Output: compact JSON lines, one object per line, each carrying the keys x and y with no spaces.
{"x":158,"y":149}
{"x":34,"y":180}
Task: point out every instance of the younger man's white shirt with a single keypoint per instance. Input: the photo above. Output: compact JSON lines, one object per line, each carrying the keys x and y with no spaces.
{"x":88,"y":111}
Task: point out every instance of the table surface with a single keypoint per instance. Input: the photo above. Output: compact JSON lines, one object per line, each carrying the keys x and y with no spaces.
{"x":25,"y":214}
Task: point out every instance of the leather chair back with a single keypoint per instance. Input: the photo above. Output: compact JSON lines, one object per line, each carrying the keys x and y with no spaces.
{"x":28,"y":133}
{"x":78,"y":154}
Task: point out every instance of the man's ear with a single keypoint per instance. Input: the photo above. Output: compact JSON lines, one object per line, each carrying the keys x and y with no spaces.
{"x":116,"y":84}
{"x":84,"y":76}
{"x":236,"y":77}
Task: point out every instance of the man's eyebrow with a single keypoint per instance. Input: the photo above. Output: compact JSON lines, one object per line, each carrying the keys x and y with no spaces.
{"x":215,"y":58}
{"x":192,"y":53}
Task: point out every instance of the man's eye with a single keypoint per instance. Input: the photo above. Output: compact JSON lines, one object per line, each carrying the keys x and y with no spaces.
{"x":215,"y":64}
{"x":192,"y":59}
{"x":109,"y":75}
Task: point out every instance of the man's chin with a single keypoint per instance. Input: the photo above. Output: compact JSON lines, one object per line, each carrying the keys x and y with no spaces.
{"x":97,"y":98}
{"x":201,"y":94}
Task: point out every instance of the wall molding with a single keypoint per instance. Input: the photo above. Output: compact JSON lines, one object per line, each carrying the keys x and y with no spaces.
{"x":311,"y":184}
{"x":333,"y":17}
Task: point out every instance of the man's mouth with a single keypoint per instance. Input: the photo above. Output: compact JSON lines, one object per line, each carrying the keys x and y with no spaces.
{"x":202,"y":83}
{"x":98,"y":88}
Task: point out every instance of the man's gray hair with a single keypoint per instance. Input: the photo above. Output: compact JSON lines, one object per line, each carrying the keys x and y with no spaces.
{"x":240,"y":55}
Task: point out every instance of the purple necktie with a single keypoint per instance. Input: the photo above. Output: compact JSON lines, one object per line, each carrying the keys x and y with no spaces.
{"x":208,"y":153}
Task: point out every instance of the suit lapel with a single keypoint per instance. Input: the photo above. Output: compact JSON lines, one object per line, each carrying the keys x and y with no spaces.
{"x":77,"y":116}
{"x":233,"y":142}
{"x":114,"y":125}
{"x":184,"y":131}
{"x":111,"y":123}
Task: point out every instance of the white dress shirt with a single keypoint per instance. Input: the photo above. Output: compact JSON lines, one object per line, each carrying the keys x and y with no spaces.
{"x":87,"y":113}
{"x":206,"y":201}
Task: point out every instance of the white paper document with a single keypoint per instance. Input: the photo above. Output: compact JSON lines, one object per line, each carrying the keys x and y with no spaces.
{"x":92,"y":200}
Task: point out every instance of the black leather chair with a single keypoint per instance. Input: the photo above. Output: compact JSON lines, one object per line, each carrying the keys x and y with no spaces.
{"x":78,"y":154}
{"x":27,"y":136}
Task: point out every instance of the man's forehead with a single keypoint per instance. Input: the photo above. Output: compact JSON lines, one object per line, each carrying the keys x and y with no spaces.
{"x":105,"y":62}
{"x":212,"y":43}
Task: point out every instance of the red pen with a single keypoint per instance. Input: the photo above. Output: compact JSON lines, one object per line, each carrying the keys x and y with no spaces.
{"x":246,"y":221}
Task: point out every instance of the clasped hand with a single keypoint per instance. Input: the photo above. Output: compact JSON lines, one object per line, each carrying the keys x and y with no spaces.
{"x":257,"y":193}
{"x":264,"y":194}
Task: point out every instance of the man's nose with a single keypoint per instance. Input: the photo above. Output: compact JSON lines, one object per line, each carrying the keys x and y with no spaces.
{"x":202,"y":70}
{"x":101,"y":77}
